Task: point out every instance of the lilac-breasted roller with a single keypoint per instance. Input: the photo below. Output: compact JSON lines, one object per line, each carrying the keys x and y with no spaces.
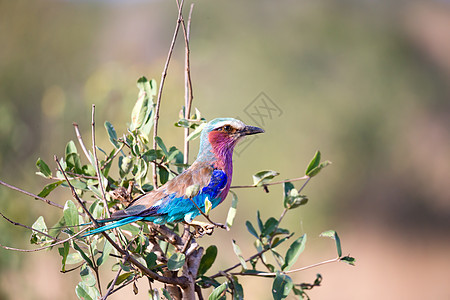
{"x":211,"y":172}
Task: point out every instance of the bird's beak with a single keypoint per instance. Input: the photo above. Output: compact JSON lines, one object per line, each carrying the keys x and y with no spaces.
{"x":249,"y":130}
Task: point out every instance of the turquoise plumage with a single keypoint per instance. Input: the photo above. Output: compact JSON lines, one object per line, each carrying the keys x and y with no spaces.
{"x":212,"y":172}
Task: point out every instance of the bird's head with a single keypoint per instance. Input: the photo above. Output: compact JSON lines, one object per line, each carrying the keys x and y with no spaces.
{"x":220,"y":135}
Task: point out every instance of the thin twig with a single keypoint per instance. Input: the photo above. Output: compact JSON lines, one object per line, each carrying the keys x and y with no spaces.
{"x":264,"y":274}
{"x":207,"y":217}
{"x":188,"y":82}
{"x":80,"y":140}
{"x":45,"y":247}
{"x":271,"y":183}
{"x":161,"y":85}
{"x":32,"y":195}
{"x":97,"y":168}
{"x":25,"y":226}
{"x":112,"y":157}
{"x":111,"y":287}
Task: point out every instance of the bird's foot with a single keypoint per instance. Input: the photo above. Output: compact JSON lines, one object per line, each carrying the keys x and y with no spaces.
{"x":202,"y":228}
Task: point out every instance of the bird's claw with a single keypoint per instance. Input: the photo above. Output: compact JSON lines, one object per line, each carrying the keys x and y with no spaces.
{"x":202,"y":229}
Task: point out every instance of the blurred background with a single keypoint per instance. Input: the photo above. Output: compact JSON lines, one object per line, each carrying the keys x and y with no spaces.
{"x":366,"y":82}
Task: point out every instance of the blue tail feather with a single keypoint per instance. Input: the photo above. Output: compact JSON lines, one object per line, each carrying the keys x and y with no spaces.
{"x":113,"y":224}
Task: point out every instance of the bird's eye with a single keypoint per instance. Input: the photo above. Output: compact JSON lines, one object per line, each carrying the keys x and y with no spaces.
{"x":227,"y":128}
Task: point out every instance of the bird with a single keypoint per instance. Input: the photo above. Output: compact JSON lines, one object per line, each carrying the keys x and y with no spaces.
{"x":208,"y":178}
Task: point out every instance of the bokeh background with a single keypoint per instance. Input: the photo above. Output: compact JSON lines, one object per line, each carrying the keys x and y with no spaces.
{"x":365,"y":82}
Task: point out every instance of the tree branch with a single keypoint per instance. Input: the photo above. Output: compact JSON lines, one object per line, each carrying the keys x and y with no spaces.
{"x":32,"y":195}
{"x":161,"y":85}
{"x":271,"y":183}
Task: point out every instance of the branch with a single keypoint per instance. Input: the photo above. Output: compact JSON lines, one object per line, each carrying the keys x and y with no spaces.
{"x":80,"y":140}
{"x":271,"y":183}
{"x":32,"y":195}
{"x":25,"y":226}
{"x":188,"y":82}
{"x":161,"y":85}
{"x":45,"y":247}
{"x":264,"y":274}
{"x":95,"y":162}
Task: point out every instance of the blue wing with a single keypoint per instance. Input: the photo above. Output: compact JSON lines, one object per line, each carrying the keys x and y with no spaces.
{"x":169,"y":207}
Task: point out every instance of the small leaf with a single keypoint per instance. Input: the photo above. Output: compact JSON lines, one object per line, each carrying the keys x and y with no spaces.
{"x":293,"y":252}
{"x":219,"y":292}
{"x":282,"y":286}
{"x":87,"y":275}
{"x":208,"y":206}
{"x":112,"y":134}
{"x":317,"y":169}
{"x":71,"y":214}
{"x":176,"y":261}
{"x":37,"y":238}
{"x":313,"y":163}
{"x":150,"y":259}
{"x":269,"y":227}
{"x":107,"y":248}
{"x":49,"y":188}
{"x":64,"y":251}
{"x":196,"y":133}
{"x":251,"y":229}
{"x":232,"y":211}
{"x":348,"y":259}
{"x":238,"y":291}
{"x":207,"y":260}
{"x":162,"y":146}
{"x":87,"y":259}
{"x":166,"y":294}
{"x":84,"y":292}
{"x":43,"y":168}
{"x":163,"y":175}
{"x":264,"y":177}
{"x":74,"y":258}
{"x":333,"y":234}
{"x":260,"y":223}
{"x":238,"y":253}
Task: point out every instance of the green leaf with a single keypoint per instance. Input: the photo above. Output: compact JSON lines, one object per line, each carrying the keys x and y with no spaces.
{"x":87,"y":275}
{"x":260,"y":223}
{"x":237,"y":290}
{"x":251,"y":229}
{"x":44,"y":170}
{"x":122,"y":278}
{"x":269,"y":227}
{"x":150,"y":259}
{"x":282,"y":286}
{"x":49,"y":188}
{"x":74,"y":258}
{"x":84,"y":292}
{"x":313,"y":163}
{"x":264,"y":177}
{"x":166,"y":294}
{"x":55,"y":230}
{"x":162,"y":146}
{"x":208,"y":206}
{"x":238,"y":253}
{"x":287,"y":187}
{"x":293,"y":252}
{"x":196,"y":133}
{"x":71,"y":213}
{"x":37,"y":238}
{"x":163,"y":175}
{"x":192,"y":191}
{"x":140,"y":109}
{"x":333,"y":234}
{"x":85,"y":257}
{"x":207,"y":260}
{"x":348,"y":259}
{"x":64,"y":251}
{"x":317,"y":169}
{"x":232,"y":211}
{"x":292,"y":198}
{"x":112,"y":134}
{"x":176,"y":261}
{"x":107,"y":248}
{"x":219,"y":292}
